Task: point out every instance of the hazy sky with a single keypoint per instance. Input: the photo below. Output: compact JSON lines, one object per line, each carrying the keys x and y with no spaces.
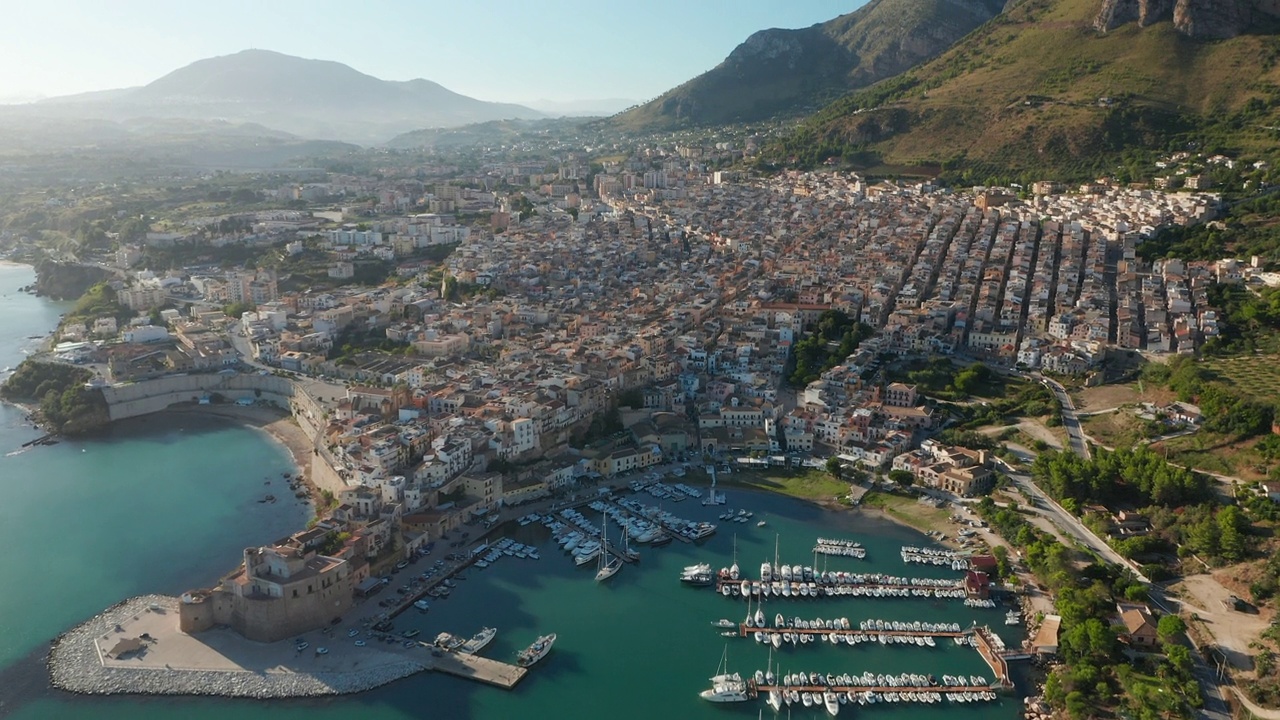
{"x":510,"y":50}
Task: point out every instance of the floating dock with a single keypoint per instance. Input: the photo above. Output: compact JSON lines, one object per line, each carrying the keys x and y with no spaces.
{"x":607,"y":545}
{"x":655,"y":520}
{"x":745,"y":630}
{"x":855,"y":689}
{"x":479,"y":669}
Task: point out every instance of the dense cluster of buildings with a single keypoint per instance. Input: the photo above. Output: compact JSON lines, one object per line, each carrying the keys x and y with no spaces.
{"x":667,"y":288}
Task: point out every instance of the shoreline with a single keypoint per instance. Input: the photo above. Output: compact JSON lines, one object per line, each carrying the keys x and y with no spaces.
{"x":276,"y":423}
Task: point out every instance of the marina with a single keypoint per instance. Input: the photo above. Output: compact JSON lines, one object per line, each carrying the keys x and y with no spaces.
{"x":934,"y":556}
{"x":842,"y":548}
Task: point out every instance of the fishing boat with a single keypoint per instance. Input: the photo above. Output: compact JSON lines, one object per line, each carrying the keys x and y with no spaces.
{"x":608,"y":566}
{"x":478,"y":641}
{"x":536,"y":651}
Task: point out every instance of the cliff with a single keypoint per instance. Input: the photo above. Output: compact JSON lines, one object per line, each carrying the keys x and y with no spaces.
{"x":66,"y":406}
{"x":65,"y":281}
{"x":1198,"y":19}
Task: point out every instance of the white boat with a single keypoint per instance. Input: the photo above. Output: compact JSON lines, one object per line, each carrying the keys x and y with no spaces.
{"x":725,"y":687}
{"x":478,"y":641}
{"x":422,"y":605}
{"x":608,"y":566}
{"x":833,"y":704}
{"x":536,"y":651}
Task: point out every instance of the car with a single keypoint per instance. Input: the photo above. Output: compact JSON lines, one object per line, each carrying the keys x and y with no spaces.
{"x":402,"y":565}
{"x":353,"y":632}
{"x":302,"y":645}
{"x":360,"y":643}
{"x":322,"y":651}
{"x":409,"y":643}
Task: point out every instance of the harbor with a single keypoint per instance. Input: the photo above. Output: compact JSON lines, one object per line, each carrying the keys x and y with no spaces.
{"x":510,"y":580}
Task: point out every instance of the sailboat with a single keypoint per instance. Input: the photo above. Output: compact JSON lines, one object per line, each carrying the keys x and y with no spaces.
{"x":725,"y":687}
{"x":626,"y":549}
{"x":609,"y":565}
{"x":734,"y":571}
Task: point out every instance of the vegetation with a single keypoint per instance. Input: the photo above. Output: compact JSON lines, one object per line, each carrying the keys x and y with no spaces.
{"x":835,"y":338}
{"x":1226,"y":409}
{"x":807,"y":484}
{"x":997,"y":107}
{"x":64,"y":281}
{"x":66,"y":406}
{"x":1248,"y":228}
{"x":1095,"y":674}
{"x":98,"y":301}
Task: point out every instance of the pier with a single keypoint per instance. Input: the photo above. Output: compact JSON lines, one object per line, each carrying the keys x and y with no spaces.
{"x":745,"y":630}
{"x":605,"y":544}
{"x":856,"y":689}
{"x":641,"y":516}
{"x":479,"y":669}
{"x":991,"y":648}
{"x":733,"y":588}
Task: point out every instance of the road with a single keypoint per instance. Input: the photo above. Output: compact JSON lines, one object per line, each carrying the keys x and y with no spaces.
{"x":1070,"y":421}
{"x":1215,"y":707}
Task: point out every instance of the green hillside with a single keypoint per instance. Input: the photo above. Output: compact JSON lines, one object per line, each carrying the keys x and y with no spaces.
{"x":777,"y":73}
{"x":1037,"y":91}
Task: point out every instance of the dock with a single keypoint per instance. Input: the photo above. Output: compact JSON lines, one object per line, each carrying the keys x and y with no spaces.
{"x":954,"y":591}
{"x":479,"y":669}
{"x":855,"y":689}
{"x":657,"y":521}
{"x":606,"y":544}
{"x":745,"y":630}
{"x":991,"y":648}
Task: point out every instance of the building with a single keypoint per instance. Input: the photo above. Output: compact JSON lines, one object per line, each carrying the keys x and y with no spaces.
{"x":1139,"y":625}
{"x":279,"y":592}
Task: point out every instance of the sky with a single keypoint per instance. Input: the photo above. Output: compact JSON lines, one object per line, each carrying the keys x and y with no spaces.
{"x":498,"y":50}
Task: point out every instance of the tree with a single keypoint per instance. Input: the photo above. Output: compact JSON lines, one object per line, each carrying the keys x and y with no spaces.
{"x":1170,"y":627}
{"x":902,"y":478}
{"x":834,"y":467}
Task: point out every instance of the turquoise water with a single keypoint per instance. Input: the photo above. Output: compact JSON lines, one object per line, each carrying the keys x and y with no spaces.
{"x":156,"y":508}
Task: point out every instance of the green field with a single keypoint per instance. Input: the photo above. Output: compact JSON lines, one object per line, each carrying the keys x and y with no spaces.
{"x":1255,"y":375}
{"x":806,"y":484}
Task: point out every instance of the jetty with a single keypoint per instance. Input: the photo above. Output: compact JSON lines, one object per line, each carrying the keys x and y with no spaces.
{"x":653,"y":516}
{"x":479,"y":669}
{"x":745,"y":630}
{"x":575,"y":519}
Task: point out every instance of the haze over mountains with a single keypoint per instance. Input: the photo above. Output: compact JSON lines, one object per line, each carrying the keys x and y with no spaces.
{"x":786,"y":72}
{"x":316,"y":99}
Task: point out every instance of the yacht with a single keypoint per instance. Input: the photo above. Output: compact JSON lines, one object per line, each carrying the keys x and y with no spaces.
{"x":832,"y":703}
{"x":536,"y":651}
{"x":478,"y":641}
{"x":725,"y":687}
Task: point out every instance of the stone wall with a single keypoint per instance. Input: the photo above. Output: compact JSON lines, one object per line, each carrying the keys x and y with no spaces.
{"x":148,"y":396}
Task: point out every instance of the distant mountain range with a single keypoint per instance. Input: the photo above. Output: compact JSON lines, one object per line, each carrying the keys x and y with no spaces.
{"x":316,"y":99}
{"x":1067,"y":87}
{"x":791,"y":72}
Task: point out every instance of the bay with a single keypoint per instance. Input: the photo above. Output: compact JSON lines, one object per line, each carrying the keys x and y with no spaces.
{"x":158,"y":508}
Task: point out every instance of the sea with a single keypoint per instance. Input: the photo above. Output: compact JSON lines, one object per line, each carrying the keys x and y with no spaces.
{"x":167,"y":503}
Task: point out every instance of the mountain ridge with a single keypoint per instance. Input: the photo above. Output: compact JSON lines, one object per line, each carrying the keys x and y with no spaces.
{"x":1040,"y":89}
{"x":316,"y":99}
{"x":785,"y":71}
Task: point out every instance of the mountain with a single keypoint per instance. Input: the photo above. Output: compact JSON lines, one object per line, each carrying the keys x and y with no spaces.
{"x":309,"y":98}
{"x":1066,"y":88}
{"x":599,"y":107}
{"x":786,"y":72}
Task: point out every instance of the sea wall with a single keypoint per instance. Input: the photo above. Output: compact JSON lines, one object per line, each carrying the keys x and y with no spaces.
{"x":148,"y":396}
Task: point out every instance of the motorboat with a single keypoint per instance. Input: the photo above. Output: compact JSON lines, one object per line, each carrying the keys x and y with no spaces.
{"x":536,"y":651}
{"x":478,"y":641}
{"x":725,"y":687}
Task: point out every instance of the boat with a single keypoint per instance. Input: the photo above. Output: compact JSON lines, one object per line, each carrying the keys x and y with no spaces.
{"x":632,"y":555}
{"x":478,"y":641}
{"x":536,"y":651}
{"x":608,"y":566}
{"x":1012,"y":618}
{"x":831,"y":702}
{"x":408,"y":634}
{"x":725,"y":687}
{"x":661,"y":539}
{"x":422,"y":605}
{"x":760,"y":523}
